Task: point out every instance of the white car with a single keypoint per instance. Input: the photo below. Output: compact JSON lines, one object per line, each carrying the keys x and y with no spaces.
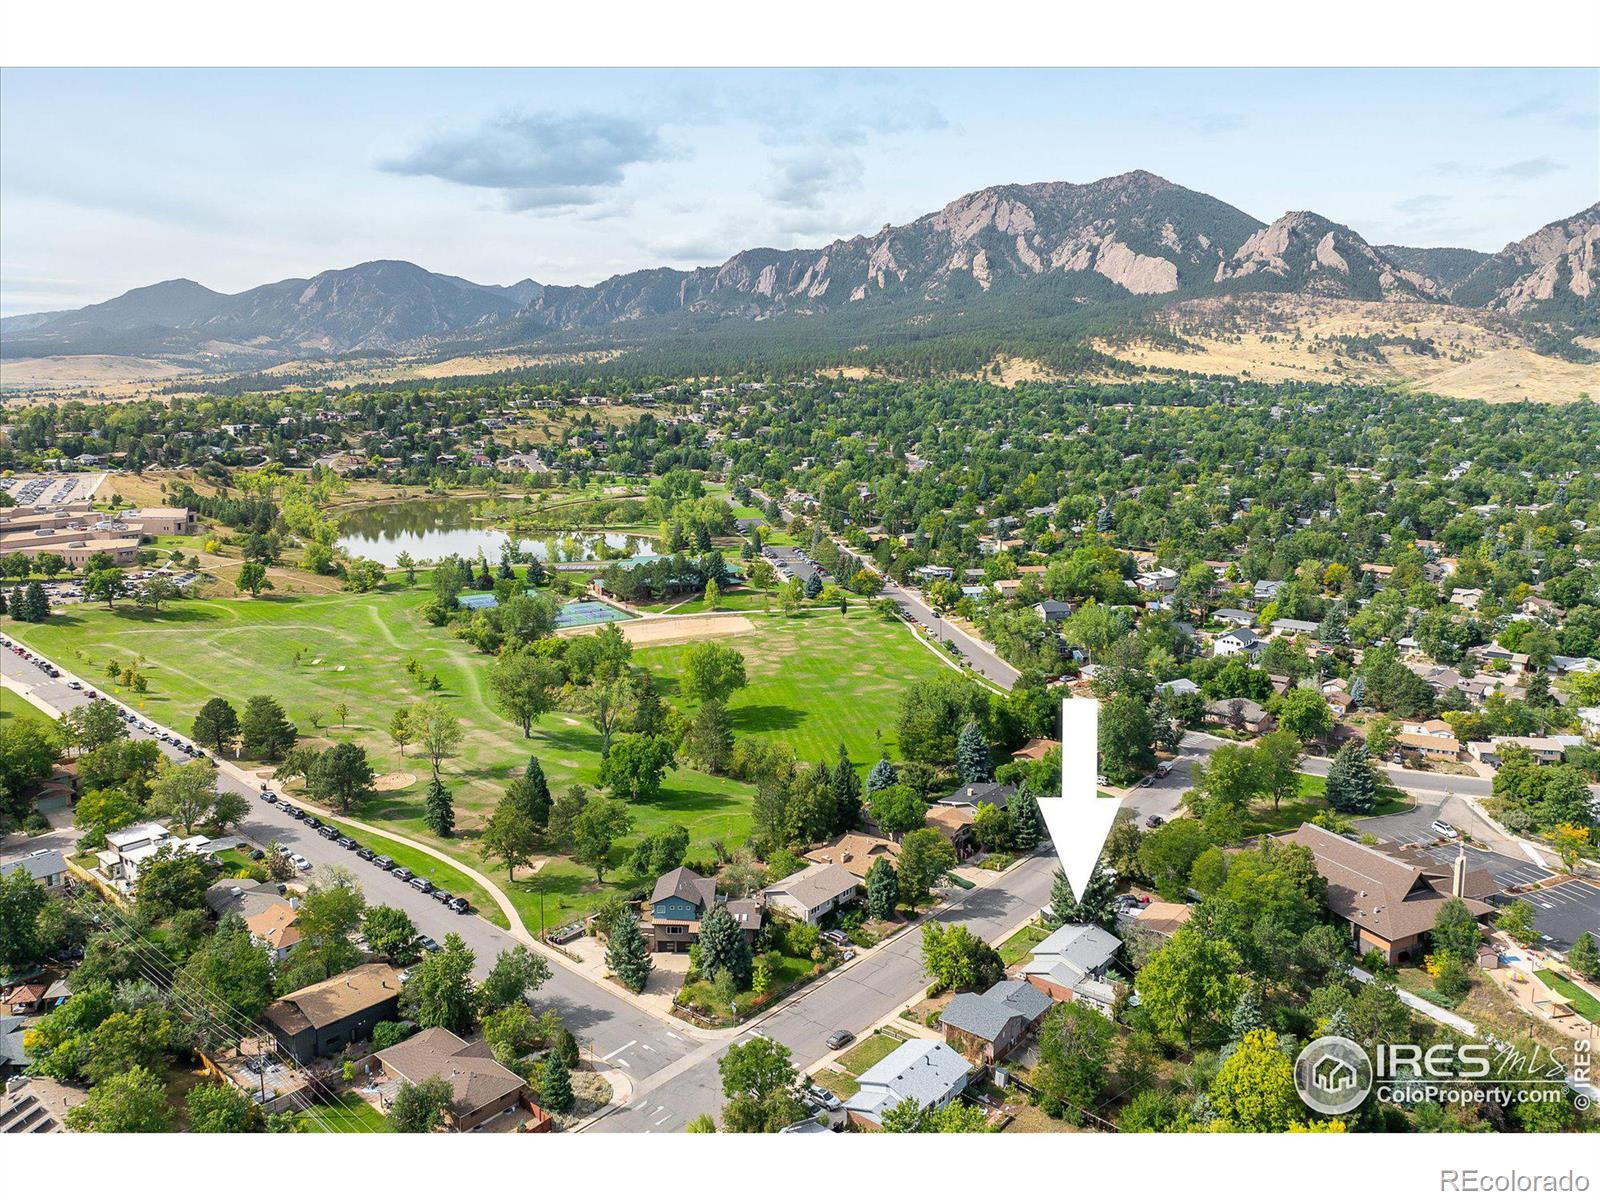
{"x":301,"y":862}
{"x":1444,"y":829}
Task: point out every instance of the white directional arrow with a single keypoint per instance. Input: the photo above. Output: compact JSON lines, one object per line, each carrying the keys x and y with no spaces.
{"x":1079,"y":819}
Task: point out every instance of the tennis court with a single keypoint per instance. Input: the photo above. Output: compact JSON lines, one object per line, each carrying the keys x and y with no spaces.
{"x":588,"y":612}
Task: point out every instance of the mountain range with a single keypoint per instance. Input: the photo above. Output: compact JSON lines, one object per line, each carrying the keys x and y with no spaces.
{"x":1124,"y":245}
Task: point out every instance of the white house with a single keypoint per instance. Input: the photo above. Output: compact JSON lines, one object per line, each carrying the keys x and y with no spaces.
{"x":810,"y":894}
{"x":1238,"y":641}
{"x":924,"y":1070}
{"x":128,"y":849}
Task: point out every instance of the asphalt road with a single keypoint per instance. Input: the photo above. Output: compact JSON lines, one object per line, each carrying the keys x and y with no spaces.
{"x":596,"y":1016}
{"x":979,"y":655}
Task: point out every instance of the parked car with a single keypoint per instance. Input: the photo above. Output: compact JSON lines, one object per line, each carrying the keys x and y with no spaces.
{"x":460,"y":905}
{"x":837,"y":937}
{"x":349,"y":843}
{"x":257,"y":855}
{"x":329,"y":832}
{"x":383,"y":862}
{"x":1444,"y":829}
{"x":566,"y":933}
{"x":301,"y":862}
{"x":823,"y":1098}
{"x":421,"y":884}
{"x":400,"y":873}
{"x":840,"y":1038}
{"x":363,"y":852}
{"x":294,"y":812}
{"x":429,"y":946}
{"x":1155,"y":822}
{"x":442,"y":896}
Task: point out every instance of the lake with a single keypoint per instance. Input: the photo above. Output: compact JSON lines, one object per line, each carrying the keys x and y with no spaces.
{"x":430,"y":530}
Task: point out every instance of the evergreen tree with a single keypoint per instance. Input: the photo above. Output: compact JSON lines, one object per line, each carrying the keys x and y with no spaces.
{"x":1094,"y":909}
{"x":555,"y":1085}
{"x":1337,"y":1025}
{"x":883,"y":889}
{"x":535,"y":573}
{"x":813,"y":587}
{"x":1352,"y":785}
{"x":1584,"y":957}
{"x":972,"y":755}
{"x":627,"y":956}
{"x":1358,"y":692}
{"x":1027,"y":822}
{"x":438,"y":810}
{"x":846,"y":793}
{"x":723,"y":947}
{"x":534,"y":797}
{"x":38,"y":604}
{"x":881,"y":776}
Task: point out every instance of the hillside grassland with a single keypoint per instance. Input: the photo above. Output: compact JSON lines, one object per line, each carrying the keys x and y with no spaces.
{"x":816,"y":680}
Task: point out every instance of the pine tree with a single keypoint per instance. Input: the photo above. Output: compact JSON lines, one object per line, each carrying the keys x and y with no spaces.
{"x":1337,"y":1025}
{"x":972,"y":755}
{"x":1246,"y":1015}
{"x":566,"y":1047}
{"x":535,"y":572}
{"x":627,"y":956}
{"x":881,"y":776}
{"x":1584,"y":957}
{"x":883,"y":889}
{"x":555,"y":1085}
{"x":1026,"y":820}
{"x":813,"y":587}
{"x":37,"y":604}
{"x":1094,"y":909}
{"x":438,"y":810}
{"x":1352,"y":785}
{"x":723,"y":947}
{"x":1358,"y":692}
{"x":846,"y":793}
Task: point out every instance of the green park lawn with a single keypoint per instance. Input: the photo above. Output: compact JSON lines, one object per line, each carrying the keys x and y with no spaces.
{"x":818,"y":679}
{"x":815,"y":680}
{"x":13,"y":707}
{"x":440,"y":874}
{"x":1291,"y":814}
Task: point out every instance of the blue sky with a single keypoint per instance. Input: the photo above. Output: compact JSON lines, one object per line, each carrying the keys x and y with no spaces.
{"x":111,"y":179}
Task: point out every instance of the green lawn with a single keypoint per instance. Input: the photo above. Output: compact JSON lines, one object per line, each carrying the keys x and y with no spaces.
{"x":345,"y":1113}
{"x":13,"y":706}
{"x":814,"y":680}
{"x":817,"y":680}
{"x":1293,"y":813}
{"x":1583,"y":1003}
{"x":868,"y":1051}
{"x":1020,"y":944}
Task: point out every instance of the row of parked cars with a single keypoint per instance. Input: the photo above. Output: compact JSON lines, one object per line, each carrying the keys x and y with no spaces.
{"x":27,"y":655}
{"x":456,"y":904}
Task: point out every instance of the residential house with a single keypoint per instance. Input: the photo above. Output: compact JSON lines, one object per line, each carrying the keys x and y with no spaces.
{"x":679,"y":903}
{"x":1179,"y":687}
{"x":1071,"y":959}
{"x":1240,"y":712}
{"x":324,"y":1018}
{"x":987,"y":1027}
{"x":923,"y":1070}
{"x":813,"y":892}
{"x":1235,"y":616}
{"x":1591,"y":720}
{"x":1544,"y":750}
{"x":855,"y":852}
{"x":245,"y":898}
{"x":1288,"y":627}
{"x":484,"y":1096}
{"x":1440,"y":747}
{"x":275,"y":928}
{"x":1467,"y":599}
{"x":1163,"y":918}
{"x":1035,"y":749}
{"x":1053,"y":612}
{"x":45,"y":867}
{"x":39,"y":1106}
{"x":1239,"y":641}
{"x":128,"y":849}
{"x":1390,"y":903}
{"x":1266,"y":590}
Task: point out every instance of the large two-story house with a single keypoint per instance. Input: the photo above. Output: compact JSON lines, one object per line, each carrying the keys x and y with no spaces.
{"x":680,"y":902}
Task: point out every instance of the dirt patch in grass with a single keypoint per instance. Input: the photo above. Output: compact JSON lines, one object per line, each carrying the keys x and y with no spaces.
{"x":393,"y":781}
{"x":685,"y":629}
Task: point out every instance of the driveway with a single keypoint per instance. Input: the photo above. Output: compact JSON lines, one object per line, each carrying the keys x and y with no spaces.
{"x":1413,"y":826}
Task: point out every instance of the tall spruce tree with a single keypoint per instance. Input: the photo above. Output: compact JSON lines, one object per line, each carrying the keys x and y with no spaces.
{"x":532,"y":793}
{"x":881,"y":776}
{"x":1094,"y":909}
{"x":627,"y":956}
{"x":723,"y":947}
{"x":846,"y":793}
{"x":1352,"y":785}
{"x":883,"y":890}
{"x":438,"y":810}
{"x":972,"y":755}
{"x":1027,"y":822}
{"x":555,"y":1085}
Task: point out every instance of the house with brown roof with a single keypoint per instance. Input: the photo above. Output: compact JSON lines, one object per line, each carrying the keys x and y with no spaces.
{"x":855,"y":852}
{"x":679,"y":903}
{"x":275,"y":928}
{"x":1441,"y":747}
{"x":485,"y":1096}
{"x":1390,"y":901}
{"x":326,"y":1017}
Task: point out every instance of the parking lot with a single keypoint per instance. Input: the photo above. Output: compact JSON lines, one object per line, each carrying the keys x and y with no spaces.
{"x":51,"y":491}
{"x":1560,"y":913}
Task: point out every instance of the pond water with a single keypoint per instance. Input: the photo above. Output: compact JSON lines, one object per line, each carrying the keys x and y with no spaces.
{"x":430,"y":530}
